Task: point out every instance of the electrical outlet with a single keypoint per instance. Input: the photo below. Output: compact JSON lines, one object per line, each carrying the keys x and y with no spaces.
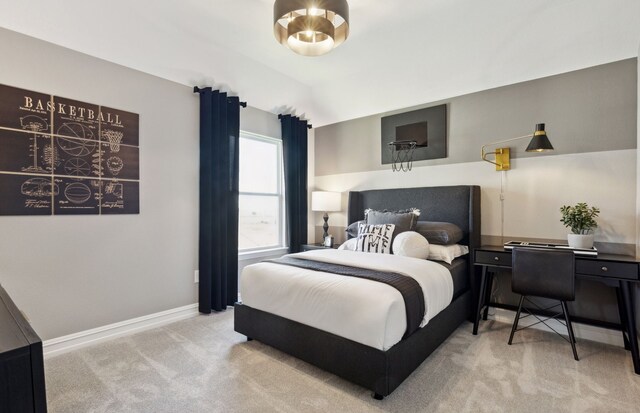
{"x":196,"y":276}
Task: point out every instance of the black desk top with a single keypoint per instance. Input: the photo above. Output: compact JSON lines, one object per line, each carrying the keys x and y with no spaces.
{"x":599,"y":257}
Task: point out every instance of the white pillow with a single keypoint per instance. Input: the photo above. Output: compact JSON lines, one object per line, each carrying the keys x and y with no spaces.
{"x":375,"y":238}
{"x":447,"y":253}
{"x":411,"y":244}
{"x":349,"y":245}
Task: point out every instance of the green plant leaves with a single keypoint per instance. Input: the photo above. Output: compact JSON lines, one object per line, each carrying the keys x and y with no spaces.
{"x":579,"y":218}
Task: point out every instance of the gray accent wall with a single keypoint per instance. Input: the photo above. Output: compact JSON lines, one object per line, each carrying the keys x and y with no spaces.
{"x":591,"y":116}
{"x":587,"y":110}
{"x":74,"y":273}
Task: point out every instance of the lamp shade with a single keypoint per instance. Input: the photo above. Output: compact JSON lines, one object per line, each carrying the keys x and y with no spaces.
{"x":326,"y":201}
{"x":540,"y":142}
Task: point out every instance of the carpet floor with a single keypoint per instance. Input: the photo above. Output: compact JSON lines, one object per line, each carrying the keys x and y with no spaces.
{"x":202,"y":365}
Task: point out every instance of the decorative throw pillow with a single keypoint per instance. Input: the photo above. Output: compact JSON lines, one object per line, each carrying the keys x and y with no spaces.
{"x":415,"y":211}
{"x":349,"y":245}
{"x":403,"y":221}
{"x":443,"y":233}
{"x":375,"y":238}
{"x":447,"y":253}
{"x":411,"y":244}
{"x":352,"y":230}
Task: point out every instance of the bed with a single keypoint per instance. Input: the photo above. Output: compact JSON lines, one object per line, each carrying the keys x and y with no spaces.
{"x":378,"y":368}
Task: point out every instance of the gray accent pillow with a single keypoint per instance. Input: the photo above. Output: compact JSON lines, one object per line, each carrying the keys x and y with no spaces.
{"x":442,"y":233}
{"x":352,"y":230}
{"x":404,"y":221}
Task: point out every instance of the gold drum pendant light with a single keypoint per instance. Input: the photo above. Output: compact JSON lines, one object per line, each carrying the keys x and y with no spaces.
{"x":311,"y":27}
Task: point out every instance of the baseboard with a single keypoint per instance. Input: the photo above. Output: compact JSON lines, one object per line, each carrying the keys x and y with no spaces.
{"x":74,"y":341}
{"x":582,"y":331}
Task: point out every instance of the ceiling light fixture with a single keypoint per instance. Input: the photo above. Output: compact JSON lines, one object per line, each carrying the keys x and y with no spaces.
{"x":311,"y":27}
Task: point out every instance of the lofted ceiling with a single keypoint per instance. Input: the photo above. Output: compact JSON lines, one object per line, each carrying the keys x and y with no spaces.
{"x":400,"y":53}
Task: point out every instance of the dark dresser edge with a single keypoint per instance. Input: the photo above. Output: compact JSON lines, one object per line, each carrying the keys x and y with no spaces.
{"x":29,"y":333}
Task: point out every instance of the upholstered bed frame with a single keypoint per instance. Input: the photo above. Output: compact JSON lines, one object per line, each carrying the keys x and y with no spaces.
{"x":380,"y":371}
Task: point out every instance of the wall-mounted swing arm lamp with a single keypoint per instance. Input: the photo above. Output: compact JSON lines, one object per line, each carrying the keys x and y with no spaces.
{"x":502,"y":156}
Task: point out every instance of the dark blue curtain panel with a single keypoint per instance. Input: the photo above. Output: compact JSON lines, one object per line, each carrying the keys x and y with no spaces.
{"x":294,"y":146}
{"x":219,"y":173}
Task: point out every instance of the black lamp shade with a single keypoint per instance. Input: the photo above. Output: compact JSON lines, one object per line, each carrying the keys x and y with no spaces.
{"x":540,"y":141}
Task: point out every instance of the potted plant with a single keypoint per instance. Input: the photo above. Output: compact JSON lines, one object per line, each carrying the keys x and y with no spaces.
{"x":581,"y":220}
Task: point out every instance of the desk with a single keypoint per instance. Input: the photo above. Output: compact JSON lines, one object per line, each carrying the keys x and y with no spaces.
{"x":617,"y":271}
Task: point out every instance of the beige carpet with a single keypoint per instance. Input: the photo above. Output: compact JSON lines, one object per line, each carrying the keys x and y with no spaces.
{"x":202,"y":365}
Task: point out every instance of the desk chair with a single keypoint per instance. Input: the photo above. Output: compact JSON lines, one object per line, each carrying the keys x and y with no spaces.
{"x":546,"y":274}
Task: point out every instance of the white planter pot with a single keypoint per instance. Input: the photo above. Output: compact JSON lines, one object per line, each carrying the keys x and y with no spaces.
{"x":580,"y":240}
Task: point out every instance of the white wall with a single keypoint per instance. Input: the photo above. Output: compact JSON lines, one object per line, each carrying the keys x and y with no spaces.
{"x":591,"y":115}
{"x":535,"y":189}
{"x":74,"y":273}
{"x":260,"y":122}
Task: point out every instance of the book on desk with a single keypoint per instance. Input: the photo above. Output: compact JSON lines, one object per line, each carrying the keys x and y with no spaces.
{"x":593,"y":251}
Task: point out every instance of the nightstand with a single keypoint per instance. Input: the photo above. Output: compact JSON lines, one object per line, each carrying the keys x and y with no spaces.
{"x":319,"y":246}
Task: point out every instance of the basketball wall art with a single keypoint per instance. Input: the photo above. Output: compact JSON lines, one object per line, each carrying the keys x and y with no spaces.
{"x":59,"y":156}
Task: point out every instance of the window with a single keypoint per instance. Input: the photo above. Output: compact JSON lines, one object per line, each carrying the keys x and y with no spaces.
{"x":261,"y":223}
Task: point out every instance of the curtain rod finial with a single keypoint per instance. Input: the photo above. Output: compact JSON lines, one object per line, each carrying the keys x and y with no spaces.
{"x":196,"y":89}
{"x":243,"y":104}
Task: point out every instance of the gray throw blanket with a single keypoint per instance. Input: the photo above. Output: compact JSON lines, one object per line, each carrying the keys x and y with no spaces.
{"x":409,"y":288}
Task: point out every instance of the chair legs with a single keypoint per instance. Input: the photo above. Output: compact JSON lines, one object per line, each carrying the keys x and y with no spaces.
{"x":565,"y":313}
{"x":515,"y":321}
{"x":572,"y":338}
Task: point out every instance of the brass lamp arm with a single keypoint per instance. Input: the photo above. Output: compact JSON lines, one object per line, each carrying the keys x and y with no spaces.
{"x":502,"y":156}
{"x":484,"y":154}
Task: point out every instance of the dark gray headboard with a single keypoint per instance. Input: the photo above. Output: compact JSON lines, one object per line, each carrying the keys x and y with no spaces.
{"x":456,"y":204}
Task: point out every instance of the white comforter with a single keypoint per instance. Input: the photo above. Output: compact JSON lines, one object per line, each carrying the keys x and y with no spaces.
{"x":365,"y":311}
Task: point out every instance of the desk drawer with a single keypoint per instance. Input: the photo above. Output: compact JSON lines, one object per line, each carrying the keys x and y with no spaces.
{"x":626,"y":270}
{"x":493,"y":258}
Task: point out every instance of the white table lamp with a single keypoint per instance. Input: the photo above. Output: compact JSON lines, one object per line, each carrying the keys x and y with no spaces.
{"x":322,"y":201}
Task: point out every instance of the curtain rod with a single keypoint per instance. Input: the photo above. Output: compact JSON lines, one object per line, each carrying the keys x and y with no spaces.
{"x":196,"y":89}
{"x":309,"y":126}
